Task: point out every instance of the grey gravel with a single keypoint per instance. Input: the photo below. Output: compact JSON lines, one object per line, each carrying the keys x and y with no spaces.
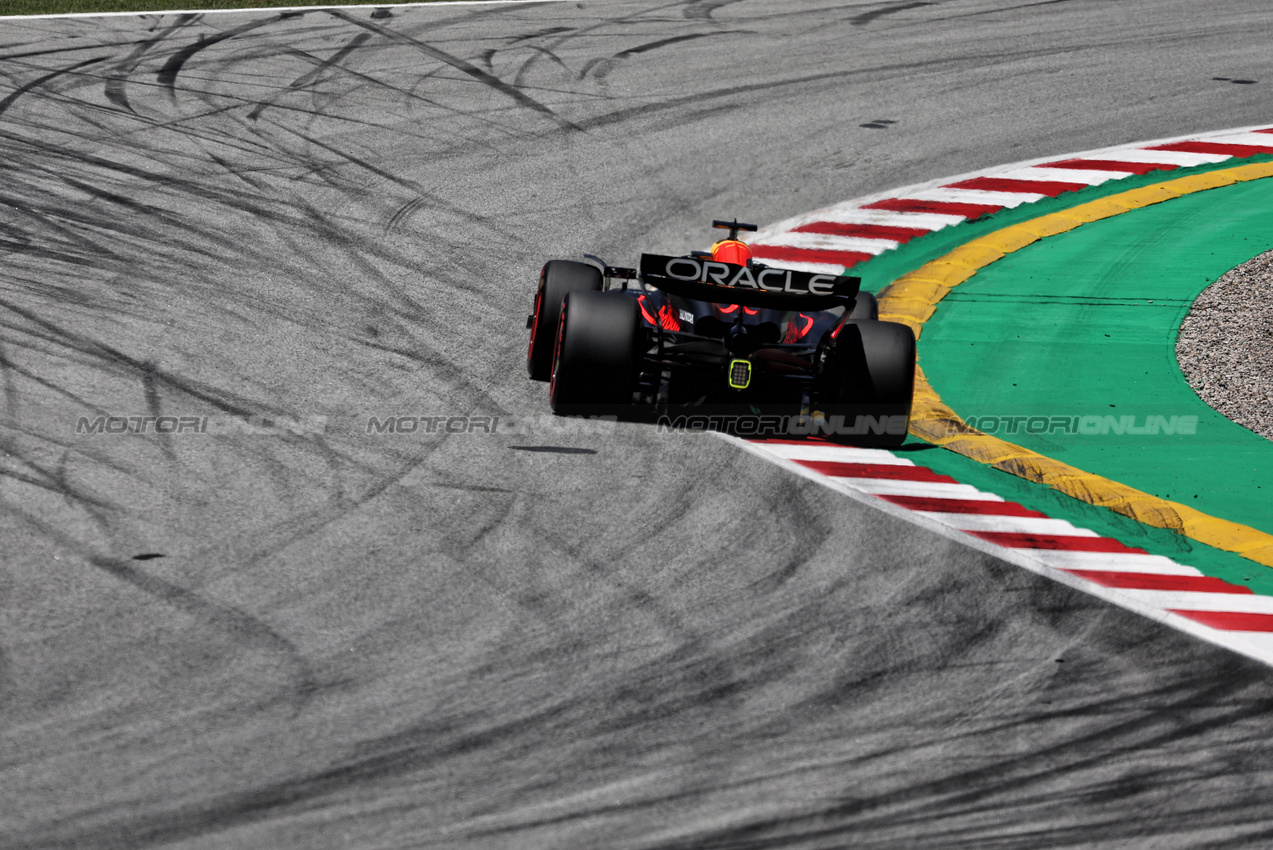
{"x":1225,"y":346}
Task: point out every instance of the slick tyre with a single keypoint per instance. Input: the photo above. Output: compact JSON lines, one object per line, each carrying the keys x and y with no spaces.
{"x":595,"y":358}
{"x":556,"y":279}
{"x":868,"y":382}
{"x":865,"y":306}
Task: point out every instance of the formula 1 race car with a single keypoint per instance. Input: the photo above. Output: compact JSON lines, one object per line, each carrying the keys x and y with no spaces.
{"x":718,"y":337}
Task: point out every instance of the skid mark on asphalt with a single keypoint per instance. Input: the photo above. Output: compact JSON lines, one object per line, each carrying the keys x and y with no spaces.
{"x":10,"y":388}
{"x":962,"y":793}
{"x":308,"y":78}
{"x":218,"y":397}
{"x":461,"y":65}
{"x":703,"y":9}
{"x":39,"y":81}
{"x":115,"y":83}
{"x":225,"y":618}
{"x":153,"y":405}
{"x":168,"y":74}
{"x":53,"y":482}
{"x":601,"y":67}
{"x":875,"y":14}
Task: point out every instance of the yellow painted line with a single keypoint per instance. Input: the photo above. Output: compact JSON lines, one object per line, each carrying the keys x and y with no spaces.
{"x":913,"y":298}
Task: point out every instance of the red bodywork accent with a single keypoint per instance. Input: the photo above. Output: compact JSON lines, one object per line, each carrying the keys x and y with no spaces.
{"x":645,"y":312}
{"x":534,"y":324}
{"x":796,"y":332}
{"x":666,"y":317}
{"x":561,"y":335}
{"x":839,"y":327}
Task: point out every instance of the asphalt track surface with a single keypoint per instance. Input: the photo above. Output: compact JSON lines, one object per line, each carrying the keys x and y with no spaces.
{"x":544,"y":637}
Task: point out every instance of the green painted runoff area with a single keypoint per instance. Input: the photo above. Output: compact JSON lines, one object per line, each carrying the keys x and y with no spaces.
{"x":1067,"y":347}
{"x":1077,"y":333}
{"x":881,"y":270}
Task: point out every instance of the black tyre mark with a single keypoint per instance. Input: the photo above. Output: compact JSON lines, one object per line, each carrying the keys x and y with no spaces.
{"x":153,"y":406}
{"x":540,"y":34}
{"x":621,"y":115}
{"x":53,"y":75}
{"x":304,"y":80}
{"x":866,"y":17}
{"x":1004,"y":9}
{"x":703,"y":9}
{"x":225,"y":618}
{"x":564,"y":450}
{"x":606,"y":65}
{"x":399,"y":218}
{"x":576,"y":33}
{"x":962,"y":791}
{"x":168,"y":74}
{"x":54,"y":52}
{"x":472,"y":488}
{"x":56,"y":334}
{"x":10,"y":388}
{"x":664,"y":42}
{"x":54,"y":483}
{"x":115,"y":92}
{"x":466,"y":215}
{"x":519,"y":79}
{"x":461,"y":65}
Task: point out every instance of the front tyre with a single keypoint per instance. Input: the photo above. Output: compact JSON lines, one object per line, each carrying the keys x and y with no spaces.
{"x":557,"y":278}
{"x":595,"y":364}
{"x":867,"y":380}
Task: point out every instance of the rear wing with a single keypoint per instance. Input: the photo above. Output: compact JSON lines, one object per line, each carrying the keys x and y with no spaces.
{"x":703,"y":279}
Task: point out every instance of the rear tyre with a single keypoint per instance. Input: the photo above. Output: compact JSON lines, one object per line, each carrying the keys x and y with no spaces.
{"x":868,"y":381}
{"x":865,"y":306}
{"x":556,"y":279}
{"x":594,"y":368}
